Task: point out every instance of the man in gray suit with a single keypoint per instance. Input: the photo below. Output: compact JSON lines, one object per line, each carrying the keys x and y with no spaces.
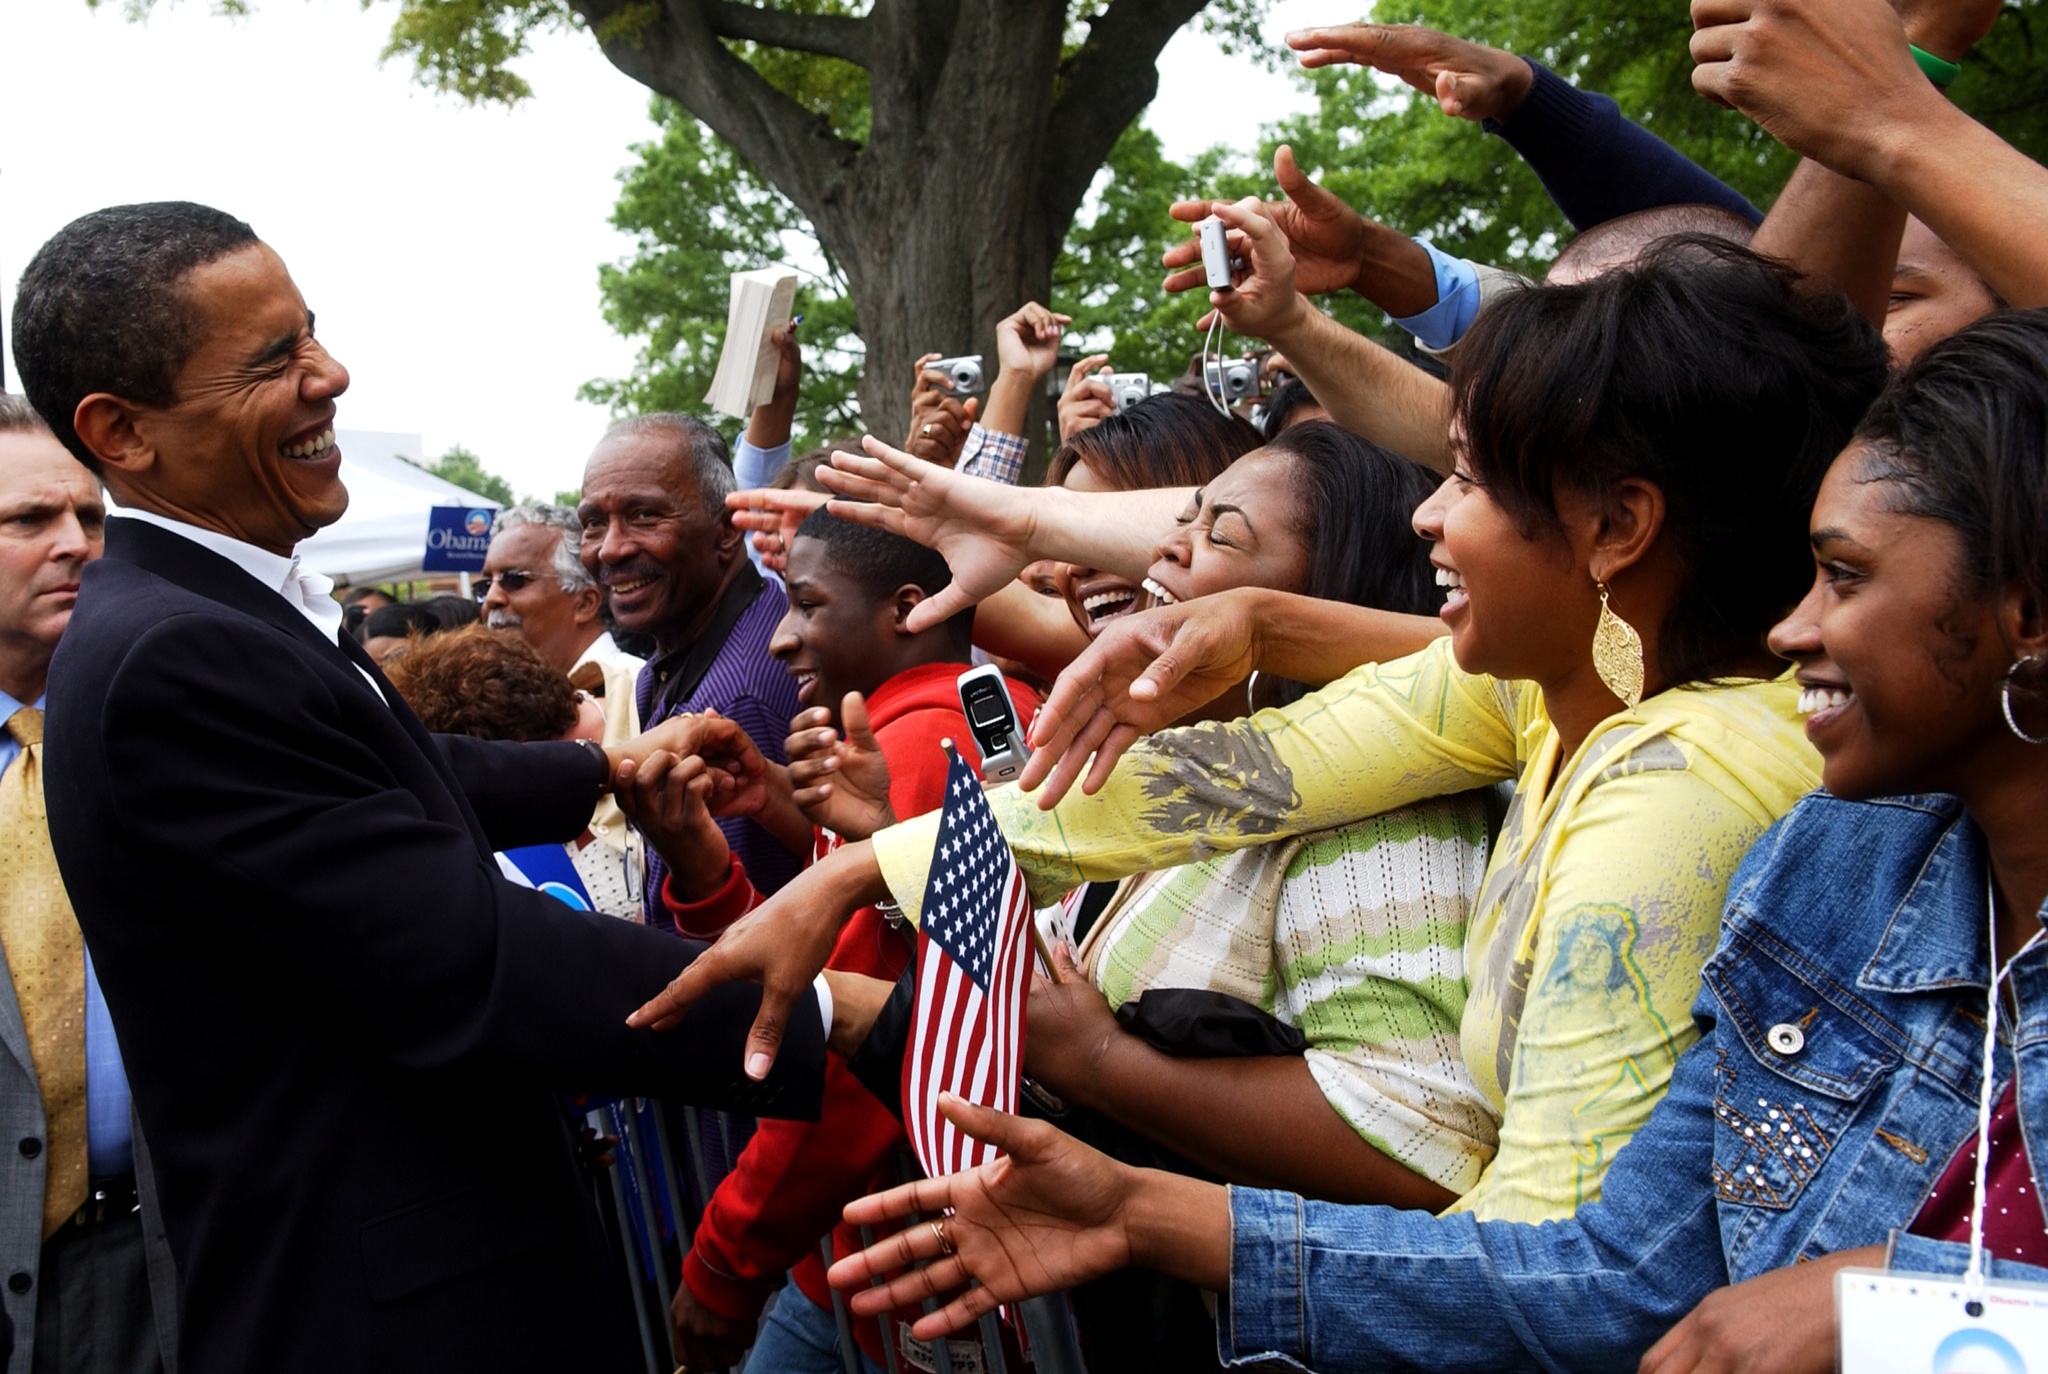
{"x":74,"y":1262}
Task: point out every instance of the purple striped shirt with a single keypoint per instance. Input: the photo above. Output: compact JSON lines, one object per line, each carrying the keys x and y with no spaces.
{"x":745,"y":685}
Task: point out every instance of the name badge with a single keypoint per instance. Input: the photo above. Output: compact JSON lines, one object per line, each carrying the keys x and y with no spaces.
{"x":1924,"y":1324}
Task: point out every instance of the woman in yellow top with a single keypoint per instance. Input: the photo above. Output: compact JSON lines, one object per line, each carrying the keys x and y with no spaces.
{"x":1636,"y":460}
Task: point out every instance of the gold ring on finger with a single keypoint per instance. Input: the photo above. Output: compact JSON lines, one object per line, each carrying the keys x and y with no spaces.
{"x":939,"y":1234}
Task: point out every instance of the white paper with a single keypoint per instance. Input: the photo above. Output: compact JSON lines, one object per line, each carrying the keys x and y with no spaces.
{"x":1919,"y":1324}
{"x":761,"y":302}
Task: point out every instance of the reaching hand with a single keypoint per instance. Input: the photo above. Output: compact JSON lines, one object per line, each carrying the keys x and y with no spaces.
{"x":1028,"y":342}
{"x":1068,"y":1030}
{"x":939,"y":420}
{"x":665,"y":797}
{"x":1326,"y":237}
{"x":841,"y":783}
{"x":983,"y":529}
{"x":770,"y":515}
{"x":1782,"y":1322}
{"x":1469,"y":80}
{"x":1794,"y":65}
{"x":1086,"y":402}
{"x":1047,"y":1216}
{"x":701,"y":1338}
{"x":1264,"y":300}
{"x":781,"y":944}
{"x":1141,"y":674}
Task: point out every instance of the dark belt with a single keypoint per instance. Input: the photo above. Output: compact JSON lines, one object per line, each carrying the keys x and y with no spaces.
{"x":110,"y":1199}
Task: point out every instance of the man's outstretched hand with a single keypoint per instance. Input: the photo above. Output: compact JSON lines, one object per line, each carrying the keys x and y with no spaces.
{"x":1469,"y":80}
{"x":1047,"y":1216}
{"x":1141,"y":674}
{"x":781,"y":944}
{"x":981,"y":528}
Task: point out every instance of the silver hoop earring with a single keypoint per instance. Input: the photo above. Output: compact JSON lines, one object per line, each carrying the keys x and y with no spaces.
{"x":2005,"y":703}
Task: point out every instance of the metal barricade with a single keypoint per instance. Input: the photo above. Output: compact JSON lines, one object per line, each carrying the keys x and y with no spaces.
{"x":651,"y":1204}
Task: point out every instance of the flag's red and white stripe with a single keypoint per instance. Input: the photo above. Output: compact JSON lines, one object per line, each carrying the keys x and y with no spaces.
{"x":965,"y":1042}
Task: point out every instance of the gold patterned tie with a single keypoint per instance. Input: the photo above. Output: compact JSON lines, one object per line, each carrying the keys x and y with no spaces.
{"x":46,"y":956}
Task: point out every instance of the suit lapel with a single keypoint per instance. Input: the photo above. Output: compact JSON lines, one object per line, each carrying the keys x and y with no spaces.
{"x":206,"y":573}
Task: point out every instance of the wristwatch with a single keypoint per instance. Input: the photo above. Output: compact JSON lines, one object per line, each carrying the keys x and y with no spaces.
{"x":604,"y":765}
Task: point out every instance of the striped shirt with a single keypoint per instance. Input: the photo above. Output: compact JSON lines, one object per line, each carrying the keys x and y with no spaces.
{"x":1354,"y":936}
{"x":748,"y":687}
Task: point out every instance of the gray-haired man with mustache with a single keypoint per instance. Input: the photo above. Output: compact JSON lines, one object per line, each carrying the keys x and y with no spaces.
{"x":534,"y":582}
{"x":657,"y":537}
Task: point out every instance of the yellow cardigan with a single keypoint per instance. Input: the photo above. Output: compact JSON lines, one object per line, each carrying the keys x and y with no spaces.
{"x":1600,"y":905}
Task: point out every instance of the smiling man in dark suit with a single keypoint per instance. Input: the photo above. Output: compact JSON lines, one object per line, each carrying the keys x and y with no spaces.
{"x":344,"y":1029}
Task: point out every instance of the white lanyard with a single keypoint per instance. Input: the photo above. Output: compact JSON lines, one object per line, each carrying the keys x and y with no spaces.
{"x":1973,"y":1277}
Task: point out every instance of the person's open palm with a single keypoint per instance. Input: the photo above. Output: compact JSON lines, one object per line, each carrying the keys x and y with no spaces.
{"x":981,"y":528}
{"x":1141,"y":674}
{"x":841,"y":782}
{"x":1469,"y":80}
{"x":1045,"y":1217}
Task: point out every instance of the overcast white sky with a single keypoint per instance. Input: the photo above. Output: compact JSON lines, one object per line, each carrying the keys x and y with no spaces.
{"x":450,"y":251}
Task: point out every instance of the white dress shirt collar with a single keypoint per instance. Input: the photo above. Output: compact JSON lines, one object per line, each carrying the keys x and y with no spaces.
{"x":308,"y":592}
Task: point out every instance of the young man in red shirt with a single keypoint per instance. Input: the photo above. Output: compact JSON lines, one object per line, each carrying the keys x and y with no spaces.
{"x":874,"y":694}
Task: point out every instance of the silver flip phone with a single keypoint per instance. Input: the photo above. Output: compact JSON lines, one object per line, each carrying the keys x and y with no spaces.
{"x":992,"y":719}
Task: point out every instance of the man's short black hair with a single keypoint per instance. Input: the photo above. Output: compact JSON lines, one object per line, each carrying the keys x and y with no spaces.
{"x":102,"y":307}
{"x":880,"y":562}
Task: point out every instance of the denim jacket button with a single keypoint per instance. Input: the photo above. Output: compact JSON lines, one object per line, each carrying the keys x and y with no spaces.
{"x":1786,"y":1038}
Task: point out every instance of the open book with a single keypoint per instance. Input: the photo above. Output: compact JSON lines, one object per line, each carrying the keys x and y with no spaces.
{"x":761,"y":301}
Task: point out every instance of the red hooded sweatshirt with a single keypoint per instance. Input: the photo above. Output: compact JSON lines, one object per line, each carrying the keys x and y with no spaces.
{"x":794,"y":1177}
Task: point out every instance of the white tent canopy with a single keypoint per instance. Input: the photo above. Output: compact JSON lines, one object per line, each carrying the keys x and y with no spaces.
{"x":384,"y":534}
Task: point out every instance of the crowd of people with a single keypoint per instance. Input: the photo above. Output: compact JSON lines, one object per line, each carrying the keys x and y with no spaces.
{"x":1536,"y":835}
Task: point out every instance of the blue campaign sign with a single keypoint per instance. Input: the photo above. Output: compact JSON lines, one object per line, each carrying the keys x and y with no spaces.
{"x":457,"y":538}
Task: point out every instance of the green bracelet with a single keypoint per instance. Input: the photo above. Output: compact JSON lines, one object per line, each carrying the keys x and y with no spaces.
{"x":1939,"y":70}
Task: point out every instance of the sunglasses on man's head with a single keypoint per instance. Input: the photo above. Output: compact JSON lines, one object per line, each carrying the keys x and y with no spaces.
{"x":512,"y":578}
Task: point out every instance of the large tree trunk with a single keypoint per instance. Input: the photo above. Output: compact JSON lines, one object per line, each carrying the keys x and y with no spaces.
{"x":982,"y":145}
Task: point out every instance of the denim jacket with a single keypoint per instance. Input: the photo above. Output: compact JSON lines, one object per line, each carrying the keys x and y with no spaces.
{"x":1837,"y":1073}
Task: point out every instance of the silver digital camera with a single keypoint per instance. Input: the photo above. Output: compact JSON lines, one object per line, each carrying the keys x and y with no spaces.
{"x":963,"y":375}
{"x":1126,"y":389}
{"x":1217,"y":263}
{"x":1233,"y":379}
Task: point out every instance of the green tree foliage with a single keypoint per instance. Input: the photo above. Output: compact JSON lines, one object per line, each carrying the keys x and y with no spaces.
{"x":466,"y":470}
{"x":698,"y":213}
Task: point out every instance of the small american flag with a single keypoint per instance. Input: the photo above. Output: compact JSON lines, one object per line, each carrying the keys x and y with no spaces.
{"x":973,"y":975}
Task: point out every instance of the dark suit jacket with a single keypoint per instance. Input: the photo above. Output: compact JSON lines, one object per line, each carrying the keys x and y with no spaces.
{"x":344,"y":1029}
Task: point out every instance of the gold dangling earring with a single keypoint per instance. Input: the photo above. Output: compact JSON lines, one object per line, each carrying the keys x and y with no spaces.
{"x":1618,"y":654}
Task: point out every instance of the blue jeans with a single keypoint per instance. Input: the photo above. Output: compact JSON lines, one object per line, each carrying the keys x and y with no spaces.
{"x":800,"y":1337}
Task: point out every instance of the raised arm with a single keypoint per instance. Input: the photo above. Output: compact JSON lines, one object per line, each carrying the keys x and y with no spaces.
{"x":1366,"y":389}
{"x":1794,"y":65}
{"x":988,"y":531}
{"x":1846,"y":232}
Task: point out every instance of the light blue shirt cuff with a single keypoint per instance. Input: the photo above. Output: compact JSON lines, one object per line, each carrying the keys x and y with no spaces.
{"x":756,"y":467}
{"x":1457,"y":301}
